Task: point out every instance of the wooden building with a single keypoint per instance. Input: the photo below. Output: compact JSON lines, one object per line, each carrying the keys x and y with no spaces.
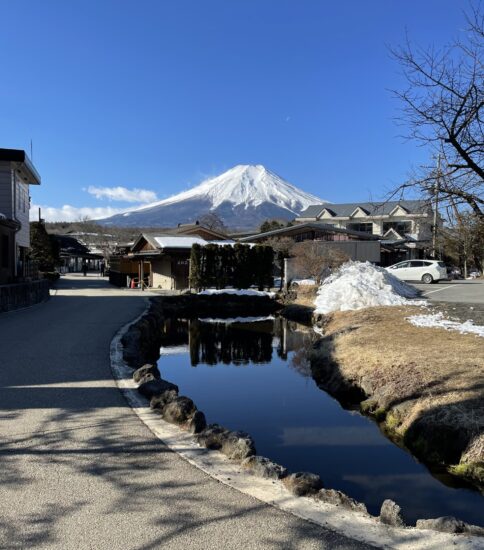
{"x":161,"y":260}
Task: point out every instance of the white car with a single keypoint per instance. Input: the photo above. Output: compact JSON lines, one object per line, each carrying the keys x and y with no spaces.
{"x":427,"y":271}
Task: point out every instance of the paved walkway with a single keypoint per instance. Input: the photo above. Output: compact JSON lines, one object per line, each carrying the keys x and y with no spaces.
{"x":79,"y":470}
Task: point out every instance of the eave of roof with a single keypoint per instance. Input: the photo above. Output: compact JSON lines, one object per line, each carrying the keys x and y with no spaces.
{"x":20,"y":156}
{"x":311,"y":225}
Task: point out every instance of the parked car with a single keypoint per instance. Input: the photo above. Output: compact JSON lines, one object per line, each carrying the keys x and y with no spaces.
{"x":427,"y":271}
{"x":474,"y":273}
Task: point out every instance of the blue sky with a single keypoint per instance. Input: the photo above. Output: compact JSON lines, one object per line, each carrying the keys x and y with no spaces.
{"x":157,"y":95}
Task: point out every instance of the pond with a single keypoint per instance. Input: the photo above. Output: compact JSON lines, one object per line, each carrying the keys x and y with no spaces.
{"x":254,"y":376}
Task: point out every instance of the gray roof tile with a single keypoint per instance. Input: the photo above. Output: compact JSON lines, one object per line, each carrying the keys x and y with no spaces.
{"x":373,"y":208}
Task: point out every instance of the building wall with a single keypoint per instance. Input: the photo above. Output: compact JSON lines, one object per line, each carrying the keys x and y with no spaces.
{"x":6,"y":199}
{"x":161,"y":273}
{"x":7,"y":256}
{"x":420,"y":226}
{"x":22,"y":213}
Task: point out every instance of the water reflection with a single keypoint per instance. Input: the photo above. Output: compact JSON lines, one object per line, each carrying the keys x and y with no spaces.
{"x":293,"y":421}
{"x":238,"y":343}
{"x":350,"y":436}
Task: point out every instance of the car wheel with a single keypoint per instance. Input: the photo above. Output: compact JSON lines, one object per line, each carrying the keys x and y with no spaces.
{"x":427,"y":279}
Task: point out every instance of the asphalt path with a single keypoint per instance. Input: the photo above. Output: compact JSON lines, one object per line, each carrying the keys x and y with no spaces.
{"x":464,"y":291}
{"x":78,"y":468}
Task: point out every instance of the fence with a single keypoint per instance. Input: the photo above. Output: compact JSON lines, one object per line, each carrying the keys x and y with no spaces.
{"x":21,"y":295}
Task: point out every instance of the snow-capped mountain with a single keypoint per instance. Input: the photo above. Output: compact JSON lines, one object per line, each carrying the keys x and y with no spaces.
{"x":243,"y":197}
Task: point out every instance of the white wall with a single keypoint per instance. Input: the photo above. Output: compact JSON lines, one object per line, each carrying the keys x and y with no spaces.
{"x":161,"y":270}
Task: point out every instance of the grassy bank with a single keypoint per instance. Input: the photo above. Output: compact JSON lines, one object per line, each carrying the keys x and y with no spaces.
{"x":424,"y":385}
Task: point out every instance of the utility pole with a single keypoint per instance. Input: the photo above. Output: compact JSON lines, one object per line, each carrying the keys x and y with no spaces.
{"x":436,"y":207}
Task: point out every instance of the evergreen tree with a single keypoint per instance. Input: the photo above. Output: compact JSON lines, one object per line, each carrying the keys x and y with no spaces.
{"x":242,"y":268}
{"x":210,"y":276}
{"x":196,"y":267}
{"x":270,"y":225}
{"x":43,"y":248}
{"x":268,"y":263}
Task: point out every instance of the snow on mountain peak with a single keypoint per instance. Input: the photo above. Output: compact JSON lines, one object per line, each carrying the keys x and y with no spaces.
{"x":246,"y":185}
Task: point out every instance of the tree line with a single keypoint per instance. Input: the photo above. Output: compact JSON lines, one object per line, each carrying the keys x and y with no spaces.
{"x":240,"y":266}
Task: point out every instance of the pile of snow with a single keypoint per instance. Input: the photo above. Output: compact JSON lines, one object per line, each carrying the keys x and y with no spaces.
{"x":237,"y":292}
{"x":357,"y":285}
{"x":437,"y":320}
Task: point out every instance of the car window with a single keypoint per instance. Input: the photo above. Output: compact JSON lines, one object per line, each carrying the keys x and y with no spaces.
{"x":402,"y":264}
{"x":416,"y":263}
{"x":441,"y":264}
{"x":429,"y":263}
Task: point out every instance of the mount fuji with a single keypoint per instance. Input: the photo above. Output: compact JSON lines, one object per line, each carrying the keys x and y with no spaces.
{"x":243,"y":197}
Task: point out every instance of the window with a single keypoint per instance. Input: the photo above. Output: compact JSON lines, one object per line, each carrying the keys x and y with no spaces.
{"x":400,"y":227}
{"x":363,"y":227}
{"x":402,"y":264}
{"x":416,"y":263}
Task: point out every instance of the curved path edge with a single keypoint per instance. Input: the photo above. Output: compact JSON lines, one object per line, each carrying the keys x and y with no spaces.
{"x":352,"y":524}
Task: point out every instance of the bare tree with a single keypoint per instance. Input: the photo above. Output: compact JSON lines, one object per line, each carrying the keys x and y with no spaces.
{"x":313,"y":258}
{"x":443,"y":107}
{"x":213,"y":221}
{"x":463,"y":240}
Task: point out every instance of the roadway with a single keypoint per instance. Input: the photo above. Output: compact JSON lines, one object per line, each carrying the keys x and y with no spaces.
{"x":467,"y":292}
{"x":79,"y":470}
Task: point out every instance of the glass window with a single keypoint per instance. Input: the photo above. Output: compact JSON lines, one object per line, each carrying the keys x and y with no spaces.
{"x":416,"y":263}
{"x":400,"y":227}
{"x":363,"y":227}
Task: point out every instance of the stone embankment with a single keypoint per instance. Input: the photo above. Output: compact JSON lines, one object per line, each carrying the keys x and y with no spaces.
{"x":141,"y":345}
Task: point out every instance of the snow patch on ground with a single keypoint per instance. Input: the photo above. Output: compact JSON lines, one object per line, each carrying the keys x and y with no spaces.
{"x":231,"y":320}
{"x":357,"y":285}
{"x":237,"y":292}
{"x":437,"y":320}
{"x":304,"y":282}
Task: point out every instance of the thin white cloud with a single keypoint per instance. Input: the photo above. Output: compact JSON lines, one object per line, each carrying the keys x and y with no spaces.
{"x":68,"y":213}
{"x":123,"y":194}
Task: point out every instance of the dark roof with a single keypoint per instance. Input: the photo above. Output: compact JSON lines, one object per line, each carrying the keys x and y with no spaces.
{"x":20,"y":156}
{"x":70,"y":246}
{"x":310,"y":225}
{"x":372,"y":208}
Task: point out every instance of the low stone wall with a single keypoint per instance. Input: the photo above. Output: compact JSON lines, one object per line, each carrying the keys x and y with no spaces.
{"x":22,"y":295}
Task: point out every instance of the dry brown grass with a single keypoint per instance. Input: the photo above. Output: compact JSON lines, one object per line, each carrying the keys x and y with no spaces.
{"x":306,"y":295}
{"x":413,"y":371}
{"x":384,"y":341}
